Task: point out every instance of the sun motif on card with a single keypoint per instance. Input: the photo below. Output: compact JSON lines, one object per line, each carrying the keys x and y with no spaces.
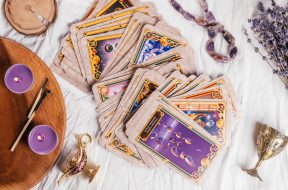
{"x":164,"y":41}
{"x":103,"y":90}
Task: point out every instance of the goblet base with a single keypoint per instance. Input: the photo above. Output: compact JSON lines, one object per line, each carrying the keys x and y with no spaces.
{"x":253,"y":172}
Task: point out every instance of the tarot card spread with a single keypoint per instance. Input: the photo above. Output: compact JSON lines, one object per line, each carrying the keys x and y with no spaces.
{"x":153,"y":109}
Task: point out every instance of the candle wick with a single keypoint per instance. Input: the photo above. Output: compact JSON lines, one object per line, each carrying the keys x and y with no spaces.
{"x":40,"y":138}
{"x":17,"y":79}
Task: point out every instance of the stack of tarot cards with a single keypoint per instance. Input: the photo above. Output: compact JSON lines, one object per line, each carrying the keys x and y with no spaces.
{"x":115,"y":36}
{"x":153,"y":110}
{"x":166,"y":118}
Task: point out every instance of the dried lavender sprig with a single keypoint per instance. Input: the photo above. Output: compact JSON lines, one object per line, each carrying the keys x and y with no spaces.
{"x":270,"y":49}
{"x":270,"y":29}
{"x":267,"y":28}
{"x":257,"y":50}
{"x":276,"y":59}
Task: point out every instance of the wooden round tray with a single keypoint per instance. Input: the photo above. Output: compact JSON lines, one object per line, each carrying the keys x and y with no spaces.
{"x":22,"y":169}
{"x":27,"y":16}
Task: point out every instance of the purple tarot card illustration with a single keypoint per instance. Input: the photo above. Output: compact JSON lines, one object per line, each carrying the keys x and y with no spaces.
{"x":152,"y":45}
{"x":212,"y":121}
{"x":170,"y":138}
{"x":144,"y":91}
{"x":113,"y":89}
{"x":100,"y":52}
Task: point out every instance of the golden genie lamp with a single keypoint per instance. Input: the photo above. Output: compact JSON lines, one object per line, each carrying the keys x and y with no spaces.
{"x":78,"y":163}
{"x":270,"y":142}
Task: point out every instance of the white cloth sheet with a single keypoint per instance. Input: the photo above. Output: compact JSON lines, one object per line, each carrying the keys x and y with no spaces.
{"x":262,"y":95}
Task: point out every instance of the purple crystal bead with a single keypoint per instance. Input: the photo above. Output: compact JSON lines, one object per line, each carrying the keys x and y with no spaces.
{"x":176,"y":5}
{"x":188,"y":16}
{"x":233,"y":52}
{"x":209,"y":17}
{"x":211,"y":33}
{"x":224,"y":59}
{"x":228,"y":37}
{"x":204,"y":5}
{"x":210,"y":46}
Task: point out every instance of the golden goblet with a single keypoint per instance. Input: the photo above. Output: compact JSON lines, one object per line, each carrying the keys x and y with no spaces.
{"x":270,"y":142}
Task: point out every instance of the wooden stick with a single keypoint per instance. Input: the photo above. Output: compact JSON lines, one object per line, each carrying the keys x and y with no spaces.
{"x":38,"y":97}
{"x":22,"y":132}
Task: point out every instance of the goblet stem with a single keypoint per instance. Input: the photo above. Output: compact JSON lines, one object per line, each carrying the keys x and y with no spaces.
{"x":259,"y":162}
{"x":254,"y":172}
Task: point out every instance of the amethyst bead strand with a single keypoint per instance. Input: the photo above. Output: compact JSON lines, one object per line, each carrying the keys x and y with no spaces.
{"x":213,"y":28}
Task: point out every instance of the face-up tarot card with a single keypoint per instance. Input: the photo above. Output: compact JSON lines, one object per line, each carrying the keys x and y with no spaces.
{"x":176,"y":140}
{"x":154,"y":41}
{"x":224,"y":82}
{"x":104,"y":27}
{"x":175,"y":54}
{"x":211,"y":115}
{"x":107,"y":89}
{"x":96,"y":52}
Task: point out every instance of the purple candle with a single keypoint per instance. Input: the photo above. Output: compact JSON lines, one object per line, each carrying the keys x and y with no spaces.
{"x":19,"y":78}
{"x":42,"y":139}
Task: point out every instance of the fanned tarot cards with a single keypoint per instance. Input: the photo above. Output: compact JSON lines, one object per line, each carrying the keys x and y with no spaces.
{"x":153,"y":108}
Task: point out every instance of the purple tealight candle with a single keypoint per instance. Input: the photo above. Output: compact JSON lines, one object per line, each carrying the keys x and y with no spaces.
{"x":19,"y":78}
{"x":42,"y":139}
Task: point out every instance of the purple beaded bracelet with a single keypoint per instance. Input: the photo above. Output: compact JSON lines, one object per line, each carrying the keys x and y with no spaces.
{"x":208,"y":20}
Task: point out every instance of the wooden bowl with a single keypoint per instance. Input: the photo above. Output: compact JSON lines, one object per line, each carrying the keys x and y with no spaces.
{"x":20,"y":15}
{"x":22,"y":169}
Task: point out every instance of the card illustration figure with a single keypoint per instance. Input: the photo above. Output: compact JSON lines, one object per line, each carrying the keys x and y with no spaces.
{"x":175,"y":142}
{"x":153,"y":44}
{"x":108,"y":91}
{"x":211,"y":119}
{"x":114,"y":6}
{"x":145,"y":90}
{"x":100,"y":50}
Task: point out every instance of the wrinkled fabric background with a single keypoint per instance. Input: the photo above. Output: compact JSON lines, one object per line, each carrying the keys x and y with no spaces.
{"x":262,"y":95}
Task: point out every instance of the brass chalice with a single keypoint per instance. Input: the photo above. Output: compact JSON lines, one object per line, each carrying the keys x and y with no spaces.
{"x":270,"y":142}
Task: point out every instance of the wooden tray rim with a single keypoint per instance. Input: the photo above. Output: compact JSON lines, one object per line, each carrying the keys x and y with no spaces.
{"x":63,"y":105}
